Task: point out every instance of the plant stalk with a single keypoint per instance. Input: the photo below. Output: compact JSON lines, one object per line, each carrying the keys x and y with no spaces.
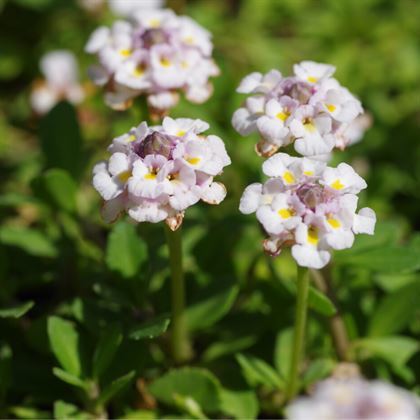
{"x":180,"y":344}
{"x":299,"y":331}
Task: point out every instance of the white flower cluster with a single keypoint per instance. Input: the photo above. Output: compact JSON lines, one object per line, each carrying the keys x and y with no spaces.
{"x":156,"y":54}
{"x":310,"y":109}
{"x":355,"y":399}
{"x":309,"y":206}
{"x":156,"y":173}
{"x":61,"y":82}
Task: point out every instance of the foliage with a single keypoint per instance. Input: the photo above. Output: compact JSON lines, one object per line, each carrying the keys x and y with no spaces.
{"x":84,"y":307}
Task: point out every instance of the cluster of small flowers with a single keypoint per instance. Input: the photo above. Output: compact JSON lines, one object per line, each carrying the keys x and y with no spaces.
{"x":308,"y":206}
{"x":155,"y":173}
{"x":157,"y":54}
{"x":355,"y":399}
{"x":310,"y":109}
{"x":61,"y":82}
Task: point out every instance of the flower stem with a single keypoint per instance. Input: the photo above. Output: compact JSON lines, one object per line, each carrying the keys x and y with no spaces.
{"x":180,"y":344}
{"x":299,"y":330}
{"x":338,"y":329}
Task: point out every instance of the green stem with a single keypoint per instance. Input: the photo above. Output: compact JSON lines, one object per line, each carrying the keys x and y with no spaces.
{"x":299,"y":330}
{"x":180,"y":344}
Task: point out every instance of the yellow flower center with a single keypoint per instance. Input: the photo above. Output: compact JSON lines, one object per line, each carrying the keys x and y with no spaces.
{"x":288,"y":177}
{"x":283,"y":116}
{"x":139,"y":70}
{"x":154,"y":23}
{"x":334,"y":223}
{"x":131,"y":138}
{"x":124,"y":176}
{"x":337,"y":185}
{"x":165,"y":62}
{"x":309,"y":126}
{"x":193,"y":160}
{"x":312,"y":79}
{"x":189,"y":40}
{"x":150,"y":176}
{"x":308,"y":173}
{"x":313,"y":235}
{"x":125,"y":52}
{"x":286,"y":213}
{"x":331,"y":107}
{"x":180,"y":133}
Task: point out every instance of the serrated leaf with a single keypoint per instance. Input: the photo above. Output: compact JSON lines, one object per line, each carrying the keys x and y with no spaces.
{"x":198,"y":384}
{"x":395,"y":310}
{"x":61,"y":140}
{"x":69,"y":378}
{"x":16,"y":311}
{"x":257,"y":372}
{"x":241,"y":404}
{"x":31,"y":241}
{"x":106,"y":349}
{"x":151,"y":329}
{"x":125,"y":251}
{"x":208,"y":311}
{"x":387,"y":259}
{"x":65,"y":342}
{"x":115,"y":386}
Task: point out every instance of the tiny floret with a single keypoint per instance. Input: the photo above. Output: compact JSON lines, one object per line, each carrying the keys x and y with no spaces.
{"x":308,"y":206}
{"x":157,"y":54}
{"x":156,"y":173}
{"x":310,"y":109}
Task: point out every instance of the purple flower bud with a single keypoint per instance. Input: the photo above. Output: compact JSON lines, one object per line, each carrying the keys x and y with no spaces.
{"x":157,"y":144}
{"x":310,"y":194}
{"x":153,"y":37}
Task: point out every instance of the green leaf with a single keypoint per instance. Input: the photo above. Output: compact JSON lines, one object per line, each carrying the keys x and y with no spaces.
{"x":106,"y":349}
{"x":228,"y":346}
{"x":59,"y":188}
{"x":115,"y":386}
{"x":198,"y":384}
{"x":189,"y":406}
{"x":318,"y":370}
{"x":63,"y":410}
{"x":125,"y":251}
{"x":396,"y":350}
{"x":241,"y":404}
{"x":283,"y":351}
{"x":31,"y":241}
{"x":387,"y":259}
{"x":70,"y":378}
{"x":151,"y":329}
{"x":321,"y":303}
{"x":29,"y":413}
{"x":65,"y":342}
{"x":206,"y":312}
{"x":61,"y":140}
{"x":257,"y":372}
{"x":16,"y":311}
{"x":395,"y":311}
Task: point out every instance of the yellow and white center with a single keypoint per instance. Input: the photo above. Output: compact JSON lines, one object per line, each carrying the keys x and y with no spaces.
{"x":125,"y":52}
{"x":286,"y":213}
{"x":180,"y":133}
{"x":308,"y":173}
{"x":331,"y":107}
{"x":288,"y":177}
{"x":283,"y":115}
{"x":309,"y":125}
{"x":193,"y":160}
{"x":124,"y":176}
{"x":165,"y":62}
{"x":337,"y":185}
{"x":139,"y":70}
{"x":334,"y":223}
{"x":313,"y":238}
{"x":312,"y":79}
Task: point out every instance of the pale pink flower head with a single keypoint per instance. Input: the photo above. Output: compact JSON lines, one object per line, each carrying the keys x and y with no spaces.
{"x":310,"y":109}
{"x":157,"y":54}
{"x":156,"y":173}
{"x":308,"y":206}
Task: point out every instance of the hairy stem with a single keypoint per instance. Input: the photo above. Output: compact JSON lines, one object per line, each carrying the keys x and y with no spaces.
{"x":299,"y":330}
{"x":180,"y":344}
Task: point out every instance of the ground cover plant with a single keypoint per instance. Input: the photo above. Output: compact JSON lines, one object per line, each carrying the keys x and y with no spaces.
{"x":137,"y":143}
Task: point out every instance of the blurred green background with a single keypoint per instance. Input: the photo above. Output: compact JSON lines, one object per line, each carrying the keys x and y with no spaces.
{"x":57,"y":253}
